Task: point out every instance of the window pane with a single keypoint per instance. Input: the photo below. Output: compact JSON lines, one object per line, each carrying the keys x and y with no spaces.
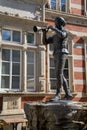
{"x":30,"y":69}
{"x":51,"y":47}
{"x":63,"y":8}
{"x":63,"y":1}
{"x":30,"y":82}
{"x":16,"y":56}
{"x":63,"y":5}
{"x":16,"y":36}
{"x":5,"y":68}
{"x":15,"y":69}
{"x":51,"y":62}
{"x":5,"y":82}
{"x":66,"y":64}
{"x":30,"y":37}
{"x":66,"y":73}
{"x":15,"y":82}
{"x":5,"y":55}
{"x":30,"y":57}
{"x":6,"y":35}
{"x":53,"y":84}
{"x":86,"y":4}
{"x":53,"y":4}
{"x":52,"y":73}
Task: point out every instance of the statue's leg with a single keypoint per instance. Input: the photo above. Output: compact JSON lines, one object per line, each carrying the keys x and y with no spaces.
{"x":65,"y":83}
{"x":59,"y":66}
{"x":58,"y":77}
{"x":66,"y":89}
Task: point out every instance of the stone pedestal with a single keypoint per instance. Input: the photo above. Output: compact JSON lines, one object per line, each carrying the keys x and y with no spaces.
{"x":11,"y":107}
{"x":63,"y":115}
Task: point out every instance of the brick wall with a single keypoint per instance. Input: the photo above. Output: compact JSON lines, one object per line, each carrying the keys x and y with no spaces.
{"x":77,"y":7}
{"x":31,"y":99}
{"x":80,"y":2}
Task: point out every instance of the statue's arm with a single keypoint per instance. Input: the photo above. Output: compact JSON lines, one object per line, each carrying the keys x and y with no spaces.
{"x":47,"y":40}
{"x":60,"y":33}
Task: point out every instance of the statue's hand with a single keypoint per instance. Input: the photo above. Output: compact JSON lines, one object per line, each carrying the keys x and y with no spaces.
{"x":50,"y":27}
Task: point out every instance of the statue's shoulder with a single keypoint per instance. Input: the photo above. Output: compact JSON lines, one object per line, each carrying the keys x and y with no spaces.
{"x":65,"y":30}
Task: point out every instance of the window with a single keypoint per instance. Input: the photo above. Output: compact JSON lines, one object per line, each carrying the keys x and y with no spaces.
{"x":10,"y":71}
{"x":63,"y":5}
{"x":11,"y":35}
{"x":60,"y":5}
{"x":30,"y":38}
{"x":53,"y":4}
{"x":30,"y":70}
{"x":66,"y":71}
{"x":52,"y":75}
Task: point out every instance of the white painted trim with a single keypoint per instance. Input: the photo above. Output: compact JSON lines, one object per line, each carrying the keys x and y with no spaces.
{"x":78,"y":57}
{"x":79,"y":69}
{"x":78,"y":81}
{"x":80,"y":95}
{"x":78,"y":45}
{"x":82,"y":34}
{"x":77,"y":6}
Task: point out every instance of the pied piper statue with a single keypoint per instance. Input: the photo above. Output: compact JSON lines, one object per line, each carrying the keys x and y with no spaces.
{"x":59,"y":41}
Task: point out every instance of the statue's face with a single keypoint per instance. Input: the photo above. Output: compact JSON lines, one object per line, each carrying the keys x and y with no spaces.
{"x":58,"y":23}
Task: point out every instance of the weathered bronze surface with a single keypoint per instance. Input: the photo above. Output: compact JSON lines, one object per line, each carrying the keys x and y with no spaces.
{"x":62,"y":115}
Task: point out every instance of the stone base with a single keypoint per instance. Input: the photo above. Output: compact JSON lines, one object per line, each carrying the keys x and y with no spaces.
{"x":16,"y":113}
{"x":62,"y":115}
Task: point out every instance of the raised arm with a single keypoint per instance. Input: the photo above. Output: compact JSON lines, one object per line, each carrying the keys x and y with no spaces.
{"x":60,"y":33}
{"x":45,"y":39}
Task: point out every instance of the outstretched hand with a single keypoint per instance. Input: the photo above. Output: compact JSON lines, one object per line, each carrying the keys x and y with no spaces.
{"x":50,"y":27}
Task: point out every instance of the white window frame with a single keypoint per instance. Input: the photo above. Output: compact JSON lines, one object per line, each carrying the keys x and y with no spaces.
{"x":4,"y":89}
{"x":11,"y":41}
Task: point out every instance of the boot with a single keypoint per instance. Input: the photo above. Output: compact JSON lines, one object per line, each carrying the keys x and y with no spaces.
{"x":56,"y":98}
{"x":68,"y":96}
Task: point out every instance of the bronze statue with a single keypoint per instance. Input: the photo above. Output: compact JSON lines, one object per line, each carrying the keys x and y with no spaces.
{"x":59,"y":41}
